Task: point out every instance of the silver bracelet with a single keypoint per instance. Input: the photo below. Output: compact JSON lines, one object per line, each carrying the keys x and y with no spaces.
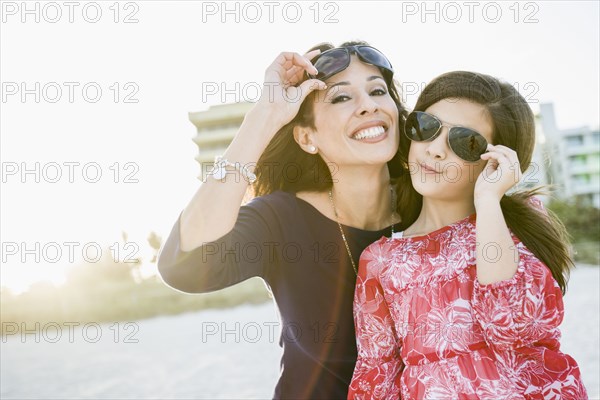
{"x":219,"y":172}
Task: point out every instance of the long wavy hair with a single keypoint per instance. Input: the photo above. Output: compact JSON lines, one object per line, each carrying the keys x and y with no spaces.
{"x":285,"y":166}
{"x":513,"y":127}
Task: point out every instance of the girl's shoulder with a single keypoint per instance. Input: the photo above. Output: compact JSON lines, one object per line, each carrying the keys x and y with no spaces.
{"x":466,"y":224}
{"x":537,"y":204}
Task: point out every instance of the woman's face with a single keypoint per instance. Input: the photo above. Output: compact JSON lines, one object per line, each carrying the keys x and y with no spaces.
{"x":436,"y":171}
{"x":355,"y":118}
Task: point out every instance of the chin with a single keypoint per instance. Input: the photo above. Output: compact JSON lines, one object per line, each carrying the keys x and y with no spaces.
{"x":383,"y":154}
{"x":437,"y":190}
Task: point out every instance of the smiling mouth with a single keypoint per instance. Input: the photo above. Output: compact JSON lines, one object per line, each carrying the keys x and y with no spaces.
{"x":428,"y":169}
{"x":369,"y":133}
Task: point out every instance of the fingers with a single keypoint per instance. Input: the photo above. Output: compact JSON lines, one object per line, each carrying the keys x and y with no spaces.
{"x":294,"y":75}
{"x":502,"y":154}
{"x":506,"y":151}
{"x":503,"y":158}
{"x":287,"y":60}
{"x":497,"y":157}
{"x":289,"y":68}
{"x":312,"y":54}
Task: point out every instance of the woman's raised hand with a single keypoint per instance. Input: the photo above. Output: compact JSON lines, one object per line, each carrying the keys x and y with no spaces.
{"x":213,"y":210}
{"x":282,"y":94}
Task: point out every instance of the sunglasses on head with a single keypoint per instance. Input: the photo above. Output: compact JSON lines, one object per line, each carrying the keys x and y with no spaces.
{"x":336,"y":60}
{"x":466,"y":143}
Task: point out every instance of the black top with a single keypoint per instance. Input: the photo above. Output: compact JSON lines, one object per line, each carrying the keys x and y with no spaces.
{"x":301,"y":256}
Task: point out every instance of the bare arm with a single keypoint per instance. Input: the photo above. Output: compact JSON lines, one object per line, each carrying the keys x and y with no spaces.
{"x":213,"y":210}
{"x":497,"y":258}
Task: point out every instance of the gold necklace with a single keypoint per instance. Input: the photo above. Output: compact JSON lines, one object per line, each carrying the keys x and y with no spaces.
{"x":337,"y":218}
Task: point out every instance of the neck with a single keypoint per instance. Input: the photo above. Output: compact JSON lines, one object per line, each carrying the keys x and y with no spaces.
{"x":362,"y":198}
{"x":436,"y":213}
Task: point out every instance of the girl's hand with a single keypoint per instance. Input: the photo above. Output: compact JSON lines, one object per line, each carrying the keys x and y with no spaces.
{"x":501,"y":172}
{"x":281,"y":96}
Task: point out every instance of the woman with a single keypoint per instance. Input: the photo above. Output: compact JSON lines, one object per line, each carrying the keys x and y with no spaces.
{"x":323,"y":194}
{"x":466,"y":302}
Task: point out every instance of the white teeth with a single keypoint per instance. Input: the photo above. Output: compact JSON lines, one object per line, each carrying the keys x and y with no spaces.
{"x":370,"y":133}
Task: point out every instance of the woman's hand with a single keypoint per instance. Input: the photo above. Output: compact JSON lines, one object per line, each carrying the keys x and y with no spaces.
{"x":501,"y":172}
{"x":281,"y":96}
{"x":214,"y":209}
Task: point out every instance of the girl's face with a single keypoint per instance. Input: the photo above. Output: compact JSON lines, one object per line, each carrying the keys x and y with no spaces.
{"x":436,"y":171}
{"x":356,"y":120}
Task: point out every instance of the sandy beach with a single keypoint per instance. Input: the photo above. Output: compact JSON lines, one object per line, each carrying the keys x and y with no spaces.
{"x":213,"y":354}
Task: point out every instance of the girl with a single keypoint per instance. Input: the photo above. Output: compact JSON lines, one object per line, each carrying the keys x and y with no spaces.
{"x":466,"y":302}
{"x":323,"y":194}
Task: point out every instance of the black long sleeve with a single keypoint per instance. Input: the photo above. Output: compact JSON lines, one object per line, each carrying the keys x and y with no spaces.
{"x":302,"y":258}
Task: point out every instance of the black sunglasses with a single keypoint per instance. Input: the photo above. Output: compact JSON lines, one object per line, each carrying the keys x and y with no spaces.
{"x":336,"y":60}
{"x":466,"y":143}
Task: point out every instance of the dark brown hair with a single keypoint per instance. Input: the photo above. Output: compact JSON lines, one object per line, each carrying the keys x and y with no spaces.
{"x":513,"y":127}
{"x":285,"y":166}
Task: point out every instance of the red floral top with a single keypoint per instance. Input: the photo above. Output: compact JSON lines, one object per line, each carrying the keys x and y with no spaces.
{"x":426,"y":329}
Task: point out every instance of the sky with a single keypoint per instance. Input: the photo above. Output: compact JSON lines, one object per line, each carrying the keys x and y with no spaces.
{"x":95,"y":138}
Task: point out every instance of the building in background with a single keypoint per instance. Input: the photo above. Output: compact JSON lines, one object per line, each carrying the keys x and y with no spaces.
{"x":216,"y":127}
{"x":569,"y":159}
{"x":573,"y":158}
{"x":537,"y":174}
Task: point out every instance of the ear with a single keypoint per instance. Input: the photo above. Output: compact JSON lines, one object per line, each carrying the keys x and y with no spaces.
{"x":305,"y":139}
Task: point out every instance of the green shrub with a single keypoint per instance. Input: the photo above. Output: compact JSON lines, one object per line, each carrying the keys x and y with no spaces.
{"x":582,"y":221}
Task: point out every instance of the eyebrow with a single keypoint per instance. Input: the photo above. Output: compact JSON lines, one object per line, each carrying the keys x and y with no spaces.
{"x":346,"y":83}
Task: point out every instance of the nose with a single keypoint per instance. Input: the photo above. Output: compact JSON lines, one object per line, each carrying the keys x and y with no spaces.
{"x":438,"y":147}
{"x":367,"y":105}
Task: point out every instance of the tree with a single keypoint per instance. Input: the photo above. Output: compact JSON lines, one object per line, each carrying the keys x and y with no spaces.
{"x":155,"y":242}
